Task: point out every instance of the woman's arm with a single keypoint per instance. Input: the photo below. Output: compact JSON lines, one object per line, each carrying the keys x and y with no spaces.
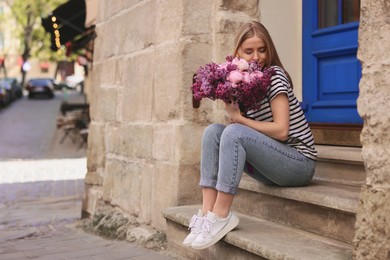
{"x":278,"y":129}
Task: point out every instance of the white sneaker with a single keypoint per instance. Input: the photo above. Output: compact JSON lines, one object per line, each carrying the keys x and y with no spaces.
{"x":214,"y":229}
{"x":195,"y":226}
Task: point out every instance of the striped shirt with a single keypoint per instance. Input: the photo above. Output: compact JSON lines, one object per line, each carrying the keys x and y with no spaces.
{"x":299,"y":136}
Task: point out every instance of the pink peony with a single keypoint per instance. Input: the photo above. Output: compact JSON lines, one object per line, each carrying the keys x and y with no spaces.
{"x":241,"y":64}
{"x":256,"y":74}
{"x":247,"y":77}
{"x":235,"y":77}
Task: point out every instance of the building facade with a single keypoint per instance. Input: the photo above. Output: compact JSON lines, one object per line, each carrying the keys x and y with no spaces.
{"x":144,"y":137}
{"x":9,"y":52}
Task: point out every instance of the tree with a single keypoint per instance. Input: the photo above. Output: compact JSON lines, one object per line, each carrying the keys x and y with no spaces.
{"x":34,"y":41}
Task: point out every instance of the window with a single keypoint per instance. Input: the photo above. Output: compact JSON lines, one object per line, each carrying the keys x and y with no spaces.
{"x":335,"y":12}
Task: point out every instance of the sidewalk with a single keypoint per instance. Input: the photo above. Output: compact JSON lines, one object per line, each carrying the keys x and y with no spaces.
{"x":40,"y":205}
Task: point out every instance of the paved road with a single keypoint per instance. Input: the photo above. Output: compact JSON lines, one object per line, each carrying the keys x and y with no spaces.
{"x":41,"y":188}
{"x":27,"y":127}
{"x":40,"y":205}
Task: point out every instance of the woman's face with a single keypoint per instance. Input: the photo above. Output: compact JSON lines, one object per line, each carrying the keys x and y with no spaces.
{"x":253,"y":49}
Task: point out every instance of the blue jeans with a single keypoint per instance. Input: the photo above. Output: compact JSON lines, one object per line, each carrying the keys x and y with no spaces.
{"x":228,"y":151}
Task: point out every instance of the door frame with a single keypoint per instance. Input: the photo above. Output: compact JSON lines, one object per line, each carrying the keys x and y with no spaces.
{"x":341,"y":133}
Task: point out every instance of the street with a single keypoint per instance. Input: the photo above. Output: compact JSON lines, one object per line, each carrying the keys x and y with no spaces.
{"x":41,"y":188}
{"x":28,"y":127}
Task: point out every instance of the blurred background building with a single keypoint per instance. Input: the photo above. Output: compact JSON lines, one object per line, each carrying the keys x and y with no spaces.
{"x":58,"y":65}
{"x":9,"y":44}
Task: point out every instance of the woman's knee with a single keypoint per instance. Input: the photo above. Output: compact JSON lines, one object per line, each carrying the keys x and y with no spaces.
{"x":213,"y":131}
{"x":233,"y":131}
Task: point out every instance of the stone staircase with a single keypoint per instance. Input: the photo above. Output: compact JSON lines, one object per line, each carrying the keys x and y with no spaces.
{"x":313,"y":222}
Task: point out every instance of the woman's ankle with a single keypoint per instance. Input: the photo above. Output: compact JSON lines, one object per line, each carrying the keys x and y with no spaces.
{"x":221,"y":213}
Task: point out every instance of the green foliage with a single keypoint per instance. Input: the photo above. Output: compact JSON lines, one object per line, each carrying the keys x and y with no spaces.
{"x":34,"y":40}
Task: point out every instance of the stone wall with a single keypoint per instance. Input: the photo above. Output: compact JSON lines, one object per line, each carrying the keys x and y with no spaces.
{"x":144,"y":141}
{"x":372,"y":239}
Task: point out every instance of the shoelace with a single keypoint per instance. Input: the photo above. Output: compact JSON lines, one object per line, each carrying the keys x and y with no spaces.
{"x":195,"y":222}
{"x":207,"y":224}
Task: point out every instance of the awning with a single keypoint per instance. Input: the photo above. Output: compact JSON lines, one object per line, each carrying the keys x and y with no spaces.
{"x":66,"y":23}
{"x":82,"y":42}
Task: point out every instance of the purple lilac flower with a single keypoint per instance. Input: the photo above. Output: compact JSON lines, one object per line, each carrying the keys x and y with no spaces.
{"x":212,"y":81}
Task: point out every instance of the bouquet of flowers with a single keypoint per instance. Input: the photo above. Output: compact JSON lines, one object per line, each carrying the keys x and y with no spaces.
{"x":236,"y":80}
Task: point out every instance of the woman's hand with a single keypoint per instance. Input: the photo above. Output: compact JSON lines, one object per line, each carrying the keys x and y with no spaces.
{"x":277,"y":129}
{"x":234,"y":112}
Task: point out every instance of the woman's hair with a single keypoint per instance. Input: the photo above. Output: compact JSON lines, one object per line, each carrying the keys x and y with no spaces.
{"x":254,"y":28}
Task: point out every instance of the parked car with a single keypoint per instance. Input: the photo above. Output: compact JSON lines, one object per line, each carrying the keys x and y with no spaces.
{"x":13,"y":86}
{"x":5,"y":96}
{"x":40,"y":86}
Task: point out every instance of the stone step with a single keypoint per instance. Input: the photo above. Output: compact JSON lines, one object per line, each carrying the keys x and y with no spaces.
{"x":340,"y":164}
{"x":254,"y":238}
{"x":323,"y":208}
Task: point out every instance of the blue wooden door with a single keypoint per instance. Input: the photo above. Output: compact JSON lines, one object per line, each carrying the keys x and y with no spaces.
{"x":331,"y":70}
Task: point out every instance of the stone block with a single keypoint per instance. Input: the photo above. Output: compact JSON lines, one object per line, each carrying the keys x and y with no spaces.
{"x":107,"y":98}
{"x":113,"y":7}
{"x":132,"y":141}
{"x":372,"y":229}
{"x":138,"y":30}
{"x":307,"y":216}
{"x":93,"y":178}
{"x":96,"y":147}
{"x":102,"y":106}
{"x":249,"y":7}
{"x":115,"y":140}
{"x":164,"y":191}
{"x":109,"y":73}
{"x":189,"y":141}
{"x":377,"y":163}
{"x":196,"y":52}
{"x":88,"y":89}
{"x":181,"y":61}
{"x":94,"y":91}
{"x":168,"y":82}
{"x":101,"y":14}
{"x":224,"y":46}
{"x":138,"y":141}
{"x":372,"y":35}
{"x":375,"y":10}
{"x":373,"y":97}
{"x":147,"y":191}
{"x":196,"y":15}
{"x":121,"y":186}
{"x":135,"y":103}
{"x":113,"y":39}
{"x":120,"y":74}
{"x":92,"y":195}
{"x":189,"y":191}
{"x":136,"y":35}
{"x":165,"y":143}
{"x":200,"y":114}
{"x":208,"y":112}
{"x":128,"y":4}
{"x":169,"y":21}
{"x":228,"y":23}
